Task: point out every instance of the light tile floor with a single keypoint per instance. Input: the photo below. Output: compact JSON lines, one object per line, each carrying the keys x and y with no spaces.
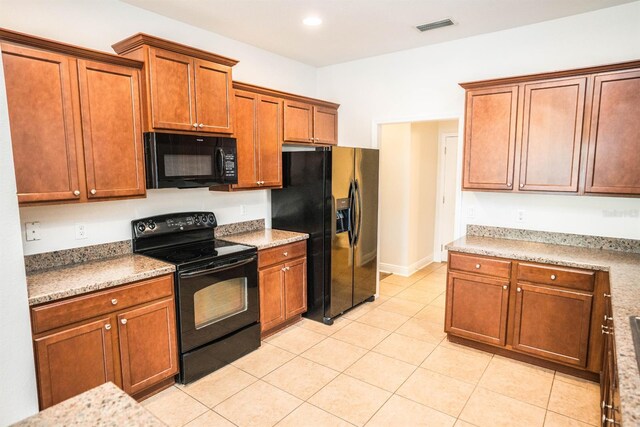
{"x":386,"y":363}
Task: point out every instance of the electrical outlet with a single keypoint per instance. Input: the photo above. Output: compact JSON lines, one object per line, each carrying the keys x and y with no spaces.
{"x":32,"y":231}
{"x":81,"y":231}
{"x":521,"y":215}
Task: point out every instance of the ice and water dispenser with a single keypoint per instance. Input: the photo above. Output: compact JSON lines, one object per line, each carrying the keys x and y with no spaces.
{"x":343,"y":213}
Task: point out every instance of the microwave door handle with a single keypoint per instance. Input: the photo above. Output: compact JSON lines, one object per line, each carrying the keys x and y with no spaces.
{"x":217,"y":269}
{"x":220,"y":162}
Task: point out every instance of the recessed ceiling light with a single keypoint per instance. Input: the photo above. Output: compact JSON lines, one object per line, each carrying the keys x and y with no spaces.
{"x":312,"y":21}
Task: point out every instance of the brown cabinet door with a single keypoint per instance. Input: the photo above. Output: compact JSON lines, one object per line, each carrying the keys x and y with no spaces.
{"x":270,"y":141}
{"x":298,"y":122}
{"x":213,"y":97}
{"x":552,"y":135}
{"x":325,"y":125}
{"x":477,"y":308}
{"x":490,"y":138}
{"x":295,"y":287}
{"x":272,"y":308}
{"x":148,"y":347}
{"x":73,"y":361}
{"x":246,"y":106}
{"x":111,"y":129}
{"x":613,"y":164}
{"x":40,"y":99}
{"x":552,"y":323}
{"x":172,"y":90}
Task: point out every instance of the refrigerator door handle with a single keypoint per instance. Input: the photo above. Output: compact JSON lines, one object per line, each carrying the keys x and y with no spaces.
{"x":351,"y":227}
{"x":359,"y":203}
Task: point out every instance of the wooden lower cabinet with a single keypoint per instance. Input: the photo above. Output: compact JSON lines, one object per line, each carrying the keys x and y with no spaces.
{"x":74,"y":360}
{"x":552,"y":323}
{"x":283,"y":285}
{"x":147,"y":339}
{"x":540,"y":311}
{"x":477,"y":308}
{"x":134,"y":347}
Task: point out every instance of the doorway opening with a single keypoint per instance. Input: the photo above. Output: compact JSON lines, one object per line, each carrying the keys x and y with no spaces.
{"x":418,"y":176}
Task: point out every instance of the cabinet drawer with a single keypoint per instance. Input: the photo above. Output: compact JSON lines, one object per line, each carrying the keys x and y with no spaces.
{"x":66,"y":312}
{"x":281,"y":254}
{"x":480,"y":265}
{"x":558,"y":276}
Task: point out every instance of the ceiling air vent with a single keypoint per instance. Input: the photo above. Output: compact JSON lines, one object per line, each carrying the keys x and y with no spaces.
{"x":434,"y":25}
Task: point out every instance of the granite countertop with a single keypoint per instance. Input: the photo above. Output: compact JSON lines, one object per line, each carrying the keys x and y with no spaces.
{"x":265,"y":238}
{"x":66,"y":281}
{"x":105,"y":405}
{"x":624,"y":278}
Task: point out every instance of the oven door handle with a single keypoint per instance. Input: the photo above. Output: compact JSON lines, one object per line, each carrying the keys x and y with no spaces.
{"x":218,"y":269}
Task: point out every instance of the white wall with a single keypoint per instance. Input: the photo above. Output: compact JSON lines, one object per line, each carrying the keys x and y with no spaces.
{"x":422,"y":84}
{"x":18,"y":398}
{"x":99,"y":24}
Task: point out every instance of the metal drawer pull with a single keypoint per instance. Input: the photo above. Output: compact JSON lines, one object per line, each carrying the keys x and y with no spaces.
{"x":76,"y":193}
{"x":285,"y":268}
{"x":607,"y":330}
{"x":123,"y":321}
{"x":107,"y":326}
{"x":607,"y":318}
{"x":553,"y":277}
{"x":607,"y":295}
{"x":606,"y":421}
{"x":285,"y":253}
{"x":93,"y":191}
{"x":505,"y":287}
{"x":114,"y":301}
{"x":519,"y":289}
{"x":477,"y":265}
{"x":201,"y":125}
{"x":195,"y":125}
{"x":604,"y":405}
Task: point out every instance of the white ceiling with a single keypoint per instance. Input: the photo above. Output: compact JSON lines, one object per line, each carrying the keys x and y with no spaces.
{"x":354,"y":29}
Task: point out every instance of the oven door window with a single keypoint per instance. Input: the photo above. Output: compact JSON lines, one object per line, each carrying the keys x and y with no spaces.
{"x":220,"y":301}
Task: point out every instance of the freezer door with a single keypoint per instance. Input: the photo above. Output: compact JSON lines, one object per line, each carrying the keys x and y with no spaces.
{"x":341,"y":250}
{"x":366,"y":229}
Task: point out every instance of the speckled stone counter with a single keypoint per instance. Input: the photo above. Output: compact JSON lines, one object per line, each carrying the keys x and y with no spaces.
{"x":265,"y":238}
{"x":624,"y":277}
{"x":102,"y":406}
{"x":76,"y":279}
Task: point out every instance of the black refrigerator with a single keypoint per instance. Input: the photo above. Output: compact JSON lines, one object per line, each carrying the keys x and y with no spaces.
{"x":332,"y":194}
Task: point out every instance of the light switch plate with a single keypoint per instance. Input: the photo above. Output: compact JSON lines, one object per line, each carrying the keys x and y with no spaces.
{"x":32,"y":231}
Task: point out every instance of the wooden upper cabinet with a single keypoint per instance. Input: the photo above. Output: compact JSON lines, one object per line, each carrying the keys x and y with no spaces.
{"x":613,"y":164}
{"x":552,"y":135}
{"x":73,"y":361}
{"x":43,"y":133}
{"x":259,"y":140}
{"x":552,"y":323}
{"x":490,"y":138}
{"x":298,"y":122}
{"x":112,"y":129}
{"x":75,"y":119}
{"x":325,"y":125}
{"x":172,"y":90}
{"x":213,"y":100}
{"x":188,"y":89}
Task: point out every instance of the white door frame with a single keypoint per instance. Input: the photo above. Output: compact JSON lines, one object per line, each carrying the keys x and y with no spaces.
{"x":437,"y":252}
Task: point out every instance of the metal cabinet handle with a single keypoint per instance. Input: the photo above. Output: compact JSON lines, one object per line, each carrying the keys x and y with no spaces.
{"x":607,"y":318}
{"x":114,"y":301}
{"x":477,"y":265}
{"x":93,"y":191}
{"x":107,"y":326}
{"x":521,"y":185}
{"x":123,"y":321}
{"x":508,"y":184}
{"x":553,"y":277}
{"x":201,"y":125}
{"x":606,"y":295}
{"x":607,"y":330}
{"x":505,"y":287}
{"x":606,"y":420}
{"x":604,"y":405}
{"x":195,"y":125}
{"x":76,"y":193}
{"x":519,"y":289}
{"x":285,"y":268}
{"x":285,"y":253}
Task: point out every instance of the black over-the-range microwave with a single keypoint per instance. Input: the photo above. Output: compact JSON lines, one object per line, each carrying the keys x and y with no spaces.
{"x":187,"y":161}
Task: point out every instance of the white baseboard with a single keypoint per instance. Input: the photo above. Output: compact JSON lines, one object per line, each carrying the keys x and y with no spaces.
{"x":406,"y":271}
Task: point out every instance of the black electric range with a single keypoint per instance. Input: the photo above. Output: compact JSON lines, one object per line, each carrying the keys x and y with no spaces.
{"x":216,"y":289}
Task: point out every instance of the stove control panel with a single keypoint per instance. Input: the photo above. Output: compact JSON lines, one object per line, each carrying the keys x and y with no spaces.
{"x":172,"y":224}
